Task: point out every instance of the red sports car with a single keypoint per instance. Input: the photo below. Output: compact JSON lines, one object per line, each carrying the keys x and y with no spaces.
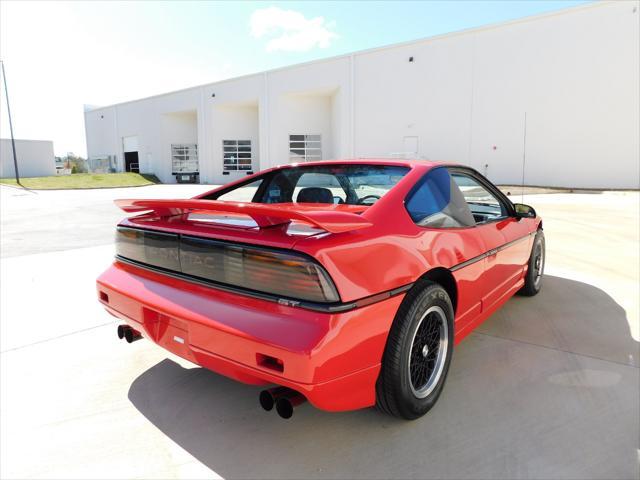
{"x":344,"y":283}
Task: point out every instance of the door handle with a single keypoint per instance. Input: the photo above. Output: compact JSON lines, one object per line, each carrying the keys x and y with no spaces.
{"x":492,"y":253}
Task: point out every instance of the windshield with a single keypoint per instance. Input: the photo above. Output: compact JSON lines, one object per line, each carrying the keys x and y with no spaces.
{"x":333,"y":184}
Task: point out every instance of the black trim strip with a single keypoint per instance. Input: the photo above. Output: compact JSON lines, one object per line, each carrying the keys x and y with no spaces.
{"x":471,"y":261}
{"x":489,"y":253}
{"x":316,"y":307}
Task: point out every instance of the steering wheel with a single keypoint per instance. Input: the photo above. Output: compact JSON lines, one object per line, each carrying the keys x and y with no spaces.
{"x":361,"y":201}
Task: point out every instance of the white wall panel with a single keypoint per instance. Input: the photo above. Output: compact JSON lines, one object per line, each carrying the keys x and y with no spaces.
{"x":35,"y":158}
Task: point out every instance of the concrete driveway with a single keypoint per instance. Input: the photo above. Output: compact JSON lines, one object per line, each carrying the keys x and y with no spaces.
{"x":546,"y":388}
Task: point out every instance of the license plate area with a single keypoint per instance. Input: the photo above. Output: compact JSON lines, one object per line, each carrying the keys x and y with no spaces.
{"x":168,"y":332}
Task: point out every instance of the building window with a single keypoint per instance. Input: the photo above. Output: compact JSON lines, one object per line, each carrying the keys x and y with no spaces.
{"x":237,"y":155}
{"x":184,"y":158}
{"x":305,"y":148}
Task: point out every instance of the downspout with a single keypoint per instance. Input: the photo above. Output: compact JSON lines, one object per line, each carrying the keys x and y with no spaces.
{"x":266,"y":154}
{"x":352,"y":99}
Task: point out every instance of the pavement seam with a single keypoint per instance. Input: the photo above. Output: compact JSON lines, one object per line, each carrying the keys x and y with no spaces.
{"x":556,"y":349}
{"x":56,"y":338}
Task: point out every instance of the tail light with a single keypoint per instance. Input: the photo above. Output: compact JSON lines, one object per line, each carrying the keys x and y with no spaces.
{"x":262,"y":270}
{"x":158,"y":249}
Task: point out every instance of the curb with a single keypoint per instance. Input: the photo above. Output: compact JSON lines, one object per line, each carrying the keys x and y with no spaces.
{"x":80,"y":188}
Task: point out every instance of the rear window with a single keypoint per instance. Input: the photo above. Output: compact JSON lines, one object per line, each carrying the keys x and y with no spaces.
{"x":243,"y":193}
{"x":333,"y":184}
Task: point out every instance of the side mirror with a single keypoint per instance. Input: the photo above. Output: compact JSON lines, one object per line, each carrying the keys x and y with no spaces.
{"x":524,"y":211}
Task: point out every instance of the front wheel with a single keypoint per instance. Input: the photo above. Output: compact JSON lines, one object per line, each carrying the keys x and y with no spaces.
{"x":418,"y":353}
{"x":535,"y":268}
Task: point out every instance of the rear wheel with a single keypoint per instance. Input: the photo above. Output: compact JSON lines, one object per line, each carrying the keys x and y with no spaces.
{"x":418,"y":353}
{"x":535,"y":270}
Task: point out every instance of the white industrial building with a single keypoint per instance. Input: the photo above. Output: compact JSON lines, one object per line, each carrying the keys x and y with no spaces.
{"x":35,"y":158}
{"x":460,"y":97}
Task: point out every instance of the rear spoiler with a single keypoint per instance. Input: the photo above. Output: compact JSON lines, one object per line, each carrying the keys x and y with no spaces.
{"x":265,"y":215}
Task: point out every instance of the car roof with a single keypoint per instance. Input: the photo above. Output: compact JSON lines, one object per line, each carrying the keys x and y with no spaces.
{"x":400,"y":162}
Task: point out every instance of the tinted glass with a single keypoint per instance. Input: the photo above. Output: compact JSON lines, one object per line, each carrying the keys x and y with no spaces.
{"x":350,"y":184}
{"x":437,"y":202}
{"x":319,"y":180}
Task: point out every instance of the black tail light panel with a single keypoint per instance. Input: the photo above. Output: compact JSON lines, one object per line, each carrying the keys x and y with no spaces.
{"x":273,"y":272}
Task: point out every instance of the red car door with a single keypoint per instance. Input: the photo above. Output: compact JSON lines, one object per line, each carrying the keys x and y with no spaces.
{"x":505,"y":265}
{"x":506,"y":238}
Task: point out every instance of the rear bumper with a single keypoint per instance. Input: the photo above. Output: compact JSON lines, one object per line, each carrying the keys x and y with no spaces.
{"x":331,"y":358}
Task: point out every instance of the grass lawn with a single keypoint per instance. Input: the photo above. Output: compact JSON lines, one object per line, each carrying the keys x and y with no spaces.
{"x":84,"y":180}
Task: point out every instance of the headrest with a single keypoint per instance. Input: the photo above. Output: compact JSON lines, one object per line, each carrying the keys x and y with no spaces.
{"x":315,"y":195}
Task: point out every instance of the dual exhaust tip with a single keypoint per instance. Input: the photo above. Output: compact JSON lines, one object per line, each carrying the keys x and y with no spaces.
{"x":129,"y":334}
{"x":284,"y":399}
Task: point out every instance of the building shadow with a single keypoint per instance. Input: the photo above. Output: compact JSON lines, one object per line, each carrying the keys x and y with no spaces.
{"x":220,"y":423}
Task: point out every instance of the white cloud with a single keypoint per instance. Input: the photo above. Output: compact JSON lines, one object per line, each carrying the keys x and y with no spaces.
{"x":290,"y":31}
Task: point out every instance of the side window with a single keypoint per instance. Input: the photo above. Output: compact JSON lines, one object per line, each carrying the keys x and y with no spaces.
{"x":244,"y":193}
{"x":483,"y":204}
{"x":438,"y":203}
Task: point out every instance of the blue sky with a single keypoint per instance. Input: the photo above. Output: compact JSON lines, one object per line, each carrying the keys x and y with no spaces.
{"x":61,"y":55}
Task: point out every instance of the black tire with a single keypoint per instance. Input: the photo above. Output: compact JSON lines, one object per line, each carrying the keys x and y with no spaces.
{"x":396,"y":393}
{"x":535,"y":270}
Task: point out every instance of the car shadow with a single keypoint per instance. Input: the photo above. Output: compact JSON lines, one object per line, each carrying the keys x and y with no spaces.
{"x":570,"y":316}
{"x":220,"y":423}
